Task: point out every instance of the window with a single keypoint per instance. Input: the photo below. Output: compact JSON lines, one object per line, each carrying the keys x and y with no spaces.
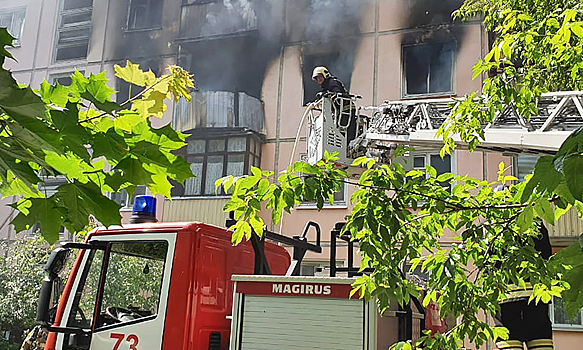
{"x":86,"y":295}
{"x":130,"y":289}
{"x":62,"y":78}
{"x":13,"y":20}
{"x":336,"y":64}
{"x":441,"y":165}
{"x":213,"y":158}
{"x":124,"y":199}
{"x":428,"y":69}
{"x":145,"y":14}
{"x":339,"y":200}
{"x":524,"y":165}
{"x":418,"y":161}
{"x":339,"y":197}
{"x":560,"y":318}
{"x":74,"y":29}
{"x":133,"y":281}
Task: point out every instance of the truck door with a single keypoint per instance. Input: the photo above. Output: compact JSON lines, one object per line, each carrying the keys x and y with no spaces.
{"x":121,"y":295}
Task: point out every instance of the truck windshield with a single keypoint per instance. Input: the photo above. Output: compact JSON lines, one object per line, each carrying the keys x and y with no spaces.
{"x":131,"y":286}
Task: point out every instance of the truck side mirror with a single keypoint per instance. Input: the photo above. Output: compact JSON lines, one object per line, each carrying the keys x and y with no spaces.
{"x":56,"y":262}
{"x":54,"y":265}
{"x":44,"y":301}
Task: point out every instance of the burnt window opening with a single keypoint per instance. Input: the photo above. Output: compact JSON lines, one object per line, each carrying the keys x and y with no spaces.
{"x":145,"y":14}
{"x":335,"y":63}
{"x":74,"y":29}
{"x":13,"y":21}
{"x":428,"y":68}
{"x":125,"y":91}
{"x":214,"y":157}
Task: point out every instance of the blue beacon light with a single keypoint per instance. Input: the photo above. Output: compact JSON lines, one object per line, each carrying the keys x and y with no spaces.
{"x":144,"y":210}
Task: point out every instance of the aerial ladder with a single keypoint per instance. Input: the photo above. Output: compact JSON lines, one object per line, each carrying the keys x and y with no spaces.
{"x":380,"y":129}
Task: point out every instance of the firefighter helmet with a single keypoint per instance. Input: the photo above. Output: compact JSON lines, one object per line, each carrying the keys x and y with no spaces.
{"x":320,"y":70}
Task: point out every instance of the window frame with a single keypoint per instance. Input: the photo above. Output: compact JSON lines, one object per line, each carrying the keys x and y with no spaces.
{"x":150,"y":9}
{"x":55,"y":77}
{"x":103,"y":271}
{"x":72,"y":27}
{"x":12,"y":12}
{"x":564,"y":326}
{"x":338,"y":204}
{"x":251,"y":157}
{"x":451,"y":92}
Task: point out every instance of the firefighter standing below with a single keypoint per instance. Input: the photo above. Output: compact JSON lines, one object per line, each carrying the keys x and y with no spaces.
{"x":331,"y":84}
{"x":527,"y":322}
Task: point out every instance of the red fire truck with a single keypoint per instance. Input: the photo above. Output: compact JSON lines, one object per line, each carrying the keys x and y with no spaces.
{"x":184,"y":286}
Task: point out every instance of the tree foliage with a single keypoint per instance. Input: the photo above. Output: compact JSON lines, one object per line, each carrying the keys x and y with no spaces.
{"x":21,"y":269}
{"x":78,"y":133}
{"x":401,"y":217}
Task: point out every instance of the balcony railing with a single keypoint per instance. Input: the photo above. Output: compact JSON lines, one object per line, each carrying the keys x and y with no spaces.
{"x":219,"y":109}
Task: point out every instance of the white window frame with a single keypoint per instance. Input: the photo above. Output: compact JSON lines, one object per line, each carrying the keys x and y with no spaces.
{"x":62,"y":28}
{"x":340,"y":204}
{"x":17,"y":34}
{"x":427,"y":155}
{"x":564,"y":326}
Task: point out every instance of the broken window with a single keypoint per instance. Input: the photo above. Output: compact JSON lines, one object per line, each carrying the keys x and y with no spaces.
{"x":13,"y":21}
{"x":145,"y":14}
{"x":428,"y":68}
{"x":337,"y":65}
{"x":74,"y":29}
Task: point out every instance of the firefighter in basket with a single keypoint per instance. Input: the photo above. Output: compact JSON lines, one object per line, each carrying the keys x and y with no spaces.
{"x":333,"y":87}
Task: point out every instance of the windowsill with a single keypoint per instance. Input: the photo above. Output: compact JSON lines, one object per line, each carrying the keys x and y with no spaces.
{"x":429,"y":95}
{"x":326,"y":206}
{"x":68,"y":61}
{"x":567,"y":328}
{"x":140,"y":30}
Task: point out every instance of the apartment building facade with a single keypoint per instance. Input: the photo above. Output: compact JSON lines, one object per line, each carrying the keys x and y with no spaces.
{"x":252,"y":63}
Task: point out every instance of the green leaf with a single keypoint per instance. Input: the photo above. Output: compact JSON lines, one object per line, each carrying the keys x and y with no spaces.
{"x":573,"y":170}
{"x":544,"y":209}
{"x":19,"y":103}
{"x":5,"y":40}
{"x":132,"y":74}
{"x":133,"y":170}
{"x":44,"y":212}
{"x":525,"y":219}
{"x":573,"y":257}
{"x":545,"y":176}
{"x":55,"y":94}
{"x":97,"y":87}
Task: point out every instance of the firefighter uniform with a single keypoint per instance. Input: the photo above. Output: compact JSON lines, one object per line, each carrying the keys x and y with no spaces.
{"x":345,"y":109}
{"x":526,"y":322}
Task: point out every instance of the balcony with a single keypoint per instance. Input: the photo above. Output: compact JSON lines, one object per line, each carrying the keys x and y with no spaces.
{"x":219,"y":109}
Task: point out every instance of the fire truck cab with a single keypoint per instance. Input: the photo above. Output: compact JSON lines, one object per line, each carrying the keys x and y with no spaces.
{"x":150,"y":286}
